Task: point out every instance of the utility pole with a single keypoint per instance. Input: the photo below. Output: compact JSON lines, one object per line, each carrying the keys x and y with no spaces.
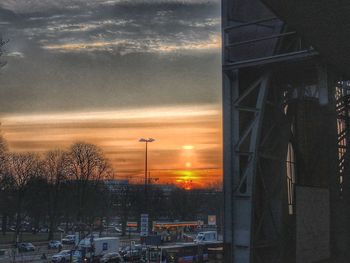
{"x":146,"y":141}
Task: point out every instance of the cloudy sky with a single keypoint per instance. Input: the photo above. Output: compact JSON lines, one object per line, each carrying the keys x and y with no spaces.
{"x":111,"y":71}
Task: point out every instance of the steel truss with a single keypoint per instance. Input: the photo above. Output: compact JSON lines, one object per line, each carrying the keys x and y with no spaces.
{"x":343,"y":128}
{"x":258,"y":131}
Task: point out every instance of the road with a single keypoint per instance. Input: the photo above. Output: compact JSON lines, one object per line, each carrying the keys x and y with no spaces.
{"x":11,"y":256}
{"x":40,"y":249}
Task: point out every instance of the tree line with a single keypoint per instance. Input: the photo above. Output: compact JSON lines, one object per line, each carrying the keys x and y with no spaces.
{"x":52,"y":186}
{"x":69,"y":187}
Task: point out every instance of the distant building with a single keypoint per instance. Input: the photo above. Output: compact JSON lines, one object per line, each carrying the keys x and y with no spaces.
{"x":167,"y":189}
{"x":115,"y":186}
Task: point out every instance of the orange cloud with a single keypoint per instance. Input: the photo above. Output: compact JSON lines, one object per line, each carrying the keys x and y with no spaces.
{"x":187,"y":149}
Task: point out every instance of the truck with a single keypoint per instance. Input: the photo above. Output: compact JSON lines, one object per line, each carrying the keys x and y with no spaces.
{"x":206,"y":236}
{"x":94,"y":248}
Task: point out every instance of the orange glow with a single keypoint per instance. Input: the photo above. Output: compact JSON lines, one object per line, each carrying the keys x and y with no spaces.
{"x":187,"y":179}
{"x":187,"y":150}
{"x":187,"y":147}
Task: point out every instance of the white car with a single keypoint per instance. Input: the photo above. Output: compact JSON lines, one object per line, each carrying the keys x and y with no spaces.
{"x":206,"y":236}
{"x":63,"y":256}
{"x":69,"y":239}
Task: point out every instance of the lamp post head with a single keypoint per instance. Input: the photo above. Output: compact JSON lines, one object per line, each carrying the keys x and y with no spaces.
{"x":147,"y":140}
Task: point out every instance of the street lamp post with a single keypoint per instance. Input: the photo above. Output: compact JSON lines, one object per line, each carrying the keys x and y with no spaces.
{"x":146,"y":141}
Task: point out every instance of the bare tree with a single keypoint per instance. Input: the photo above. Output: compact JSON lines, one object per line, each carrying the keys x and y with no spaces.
{"x":21,"y":167}
{"x":3,"y":153}
{"x":5,"y":186}
{"x":55,"y":167}
{"x":4,"y":179}
{"x":87,"y":167}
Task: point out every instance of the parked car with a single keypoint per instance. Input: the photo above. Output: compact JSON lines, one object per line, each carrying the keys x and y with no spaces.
{"x":55,"y":244}
{"x":63,"y":256}
{"x":69,"y":239}
{"x":123,"y":250}
{"x":111,"y":257}
{"x":77,"y":256}
{"x":206,"y":236}
{"x":25,"y":247}
{"x":44,"y":230}
{"x":118,"y":230}
{"x":132,"y":255}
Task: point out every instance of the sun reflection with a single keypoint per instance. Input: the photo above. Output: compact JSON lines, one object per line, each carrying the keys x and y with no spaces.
{"x":186,"y":179}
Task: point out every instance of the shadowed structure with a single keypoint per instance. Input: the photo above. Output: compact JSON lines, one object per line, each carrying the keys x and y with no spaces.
{"x":286,"y":130}
{"x":323,"y":24}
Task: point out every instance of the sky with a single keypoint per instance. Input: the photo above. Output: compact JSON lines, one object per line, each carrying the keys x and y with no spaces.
{"x":110,"y":72}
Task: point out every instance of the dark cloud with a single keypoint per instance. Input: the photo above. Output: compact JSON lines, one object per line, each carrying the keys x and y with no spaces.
{"x":82,"y":54}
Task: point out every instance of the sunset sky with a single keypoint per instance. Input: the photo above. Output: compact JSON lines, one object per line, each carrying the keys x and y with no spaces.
{"x":112,"y":71}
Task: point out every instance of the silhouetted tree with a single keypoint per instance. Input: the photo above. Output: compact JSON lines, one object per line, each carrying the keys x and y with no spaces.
{"x":21,"y":167}
{"x":87,"y":166}
{"x":5,"y":187}
{"x":55,"y":165}
{"x":4,"y":179}
{"x":36,"y":201}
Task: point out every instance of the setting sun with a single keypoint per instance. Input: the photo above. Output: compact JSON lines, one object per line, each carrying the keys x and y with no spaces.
{"x":117,"y":133}
{"x":188,"y":147}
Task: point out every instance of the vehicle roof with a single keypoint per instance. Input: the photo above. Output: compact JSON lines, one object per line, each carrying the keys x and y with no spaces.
{"x":64,"y":251}
{"x":111,"y":254}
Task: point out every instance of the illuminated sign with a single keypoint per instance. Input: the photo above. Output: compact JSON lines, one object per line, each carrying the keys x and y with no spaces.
{"x":212,"y":220}
{"x":144,"y":225}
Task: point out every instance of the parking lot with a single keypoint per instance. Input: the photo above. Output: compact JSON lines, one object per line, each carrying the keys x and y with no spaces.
{"x":12,"y":255}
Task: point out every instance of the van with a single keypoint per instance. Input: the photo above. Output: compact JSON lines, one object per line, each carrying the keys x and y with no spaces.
{"x":99,"y":246}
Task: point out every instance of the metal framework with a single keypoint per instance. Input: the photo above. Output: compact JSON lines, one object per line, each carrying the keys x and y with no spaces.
{"x":270,"y":79}
{"x":244,"y":158}
{"x":343,"y":127}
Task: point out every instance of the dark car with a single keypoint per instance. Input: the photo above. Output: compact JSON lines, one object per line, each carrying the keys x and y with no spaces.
{"x":63,"y":256}
{"x":132,"y":255}
{"x":25,"y":247}
{"x":111,"y":257}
